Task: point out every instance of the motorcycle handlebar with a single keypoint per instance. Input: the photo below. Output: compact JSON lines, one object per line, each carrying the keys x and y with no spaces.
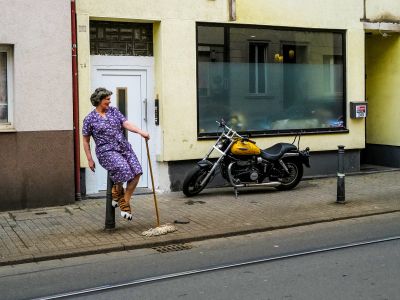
{"x":222,"y":124}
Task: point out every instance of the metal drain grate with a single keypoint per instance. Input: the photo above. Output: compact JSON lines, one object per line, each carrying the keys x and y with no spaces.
{"x":172,"y":248}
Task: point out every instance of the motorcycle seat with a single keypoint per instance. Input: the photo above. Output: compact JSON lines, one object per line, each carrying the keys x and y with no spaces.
{"x":276,"y":151}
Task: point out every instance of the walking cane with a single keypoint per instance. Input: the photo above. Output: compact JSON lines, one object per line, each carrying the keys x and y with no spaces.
{"x":163,"y":229}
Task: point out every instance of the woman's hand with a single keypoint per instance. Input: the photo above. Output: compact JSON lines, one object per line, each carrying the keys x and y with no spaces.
{"x":145,"y":135}
{"x":92,"y":165}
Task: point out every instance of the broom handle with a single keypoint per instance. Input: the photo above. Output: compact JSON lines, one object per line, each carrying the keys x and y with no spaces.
{"x":152,"y":183}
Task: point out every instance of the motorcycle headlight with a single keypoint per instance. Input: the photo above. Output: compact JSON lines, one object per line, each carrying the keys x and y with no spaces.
{"x":220,"y":145}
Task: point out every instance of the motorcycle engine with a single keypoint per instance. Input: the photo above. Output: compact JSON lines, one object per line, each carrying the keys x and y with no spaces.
{"x":246,"y":171}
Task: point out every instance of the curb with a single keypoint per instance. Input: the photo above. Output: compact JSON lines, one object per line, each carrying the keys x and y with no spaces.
{"x":123,"y":247}
{"x":357,"y":173}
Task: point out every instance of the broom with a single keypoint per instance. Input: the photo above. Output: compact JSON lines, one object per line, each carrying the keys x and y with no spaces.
{"x":158,"y":230}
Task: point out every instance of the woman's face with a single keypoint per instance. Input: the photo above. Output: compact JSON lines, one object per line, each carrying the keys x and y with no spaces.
{"x":105,"y":103}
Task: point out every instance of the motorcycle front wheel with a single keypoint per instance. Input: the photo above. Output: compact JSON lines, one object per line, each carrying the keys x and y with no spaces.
{"x":292,"y":179}
{"x":192,"y":183}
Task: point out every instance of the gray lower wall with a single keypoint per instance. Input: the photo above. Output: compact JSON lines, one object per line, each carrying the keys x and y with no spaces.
{"x":326,"y":163}
{"x":384,"y":155}
{"x":36,"y":169}
{"x":322,"y":163}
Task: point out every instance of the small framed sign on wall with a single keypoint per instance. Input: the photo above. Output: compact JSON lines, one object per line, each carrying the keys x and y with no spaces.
{"x":358,"y":110}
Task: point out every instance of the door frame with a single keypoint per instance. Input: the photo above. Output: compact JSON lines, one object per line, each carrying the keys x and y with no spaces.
{"x":130,"y":63}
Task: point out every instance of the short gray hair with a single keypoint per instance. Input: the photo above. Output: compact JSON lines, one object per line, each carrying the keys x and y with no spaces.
{"x":98,"y":95}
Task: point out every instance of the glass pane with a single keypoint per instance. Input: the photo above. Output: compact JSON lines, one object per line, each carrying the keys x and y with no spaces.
{"x":3,"y":88}
{"x":121,"y":103}
{"x":119,"y":38}
{"x":275,"y":80}
{"x":210,"y":35}
{"x":121,"y":100}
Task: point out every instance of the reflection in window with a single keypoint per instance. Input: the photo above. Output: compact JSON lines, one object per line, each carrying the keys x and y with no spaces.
{"x":266,"y":80}
{"x":210,"y":70}
{"x":257,"y":61}
{"x":332,"y":71}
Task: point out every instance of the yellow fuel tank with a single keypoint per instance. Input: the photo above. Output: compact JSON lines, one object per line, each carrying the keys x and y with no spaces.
{"x":242,"y":147}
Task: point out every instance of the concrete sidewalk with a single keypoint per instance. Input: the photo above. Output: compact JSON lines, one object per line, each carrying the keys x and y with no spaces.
{"x":58,"y":232}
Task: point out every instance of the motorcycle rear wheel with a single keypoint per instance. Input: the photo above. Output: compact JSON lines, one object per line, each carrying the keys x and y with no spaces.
{"x":293,"y":178}
{"x":192,"y":183}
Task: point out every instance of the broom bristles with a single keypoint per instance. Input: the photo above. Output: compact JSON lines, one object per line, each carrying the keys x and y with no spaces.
{"x":160,"y":230}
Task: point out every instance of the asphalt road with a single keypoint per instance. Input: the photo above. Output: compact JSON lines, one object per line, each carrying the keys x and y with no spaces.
{"x":369,"y":272}
{"x":366,"y":272}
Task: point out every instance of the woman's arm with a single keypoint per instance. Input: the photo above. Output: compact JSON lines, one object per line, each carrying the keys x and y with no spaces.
{"x":86,"y":147}
{"x":133,"y":128}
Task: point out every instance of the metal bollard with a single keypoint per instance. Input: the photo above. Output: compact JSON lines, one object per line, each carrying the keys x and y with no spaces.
{"x":340,"y":196}
{"x":110,"y":211}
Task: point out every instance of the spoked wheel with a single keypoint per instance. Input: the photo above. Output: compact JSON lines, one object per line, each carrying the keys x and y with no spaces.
{"x":291,"y":180}
{"x":192,"y":183}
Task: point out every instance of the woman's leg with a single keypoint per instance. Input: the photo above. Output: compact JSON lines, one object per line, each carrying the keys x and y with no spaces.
{"x":117,"y":192}
{"x":124,"y":201}
{"x":130,"y":187}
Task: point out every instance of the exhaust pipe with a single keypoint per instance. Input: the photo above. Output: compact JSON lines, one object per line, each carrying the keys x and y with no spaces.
{"x":266,"y":184}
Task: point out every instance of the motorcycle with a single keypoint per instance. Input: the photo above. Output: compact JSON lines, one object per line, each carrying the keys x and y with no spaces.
{"x":243,"y":164}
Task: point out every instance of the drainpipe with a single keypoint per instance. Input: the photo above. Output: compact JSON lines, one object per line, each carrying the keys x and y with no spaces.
{"x":75,"y":99}
{"x":364,"y":18}
{"x":232,"y":10}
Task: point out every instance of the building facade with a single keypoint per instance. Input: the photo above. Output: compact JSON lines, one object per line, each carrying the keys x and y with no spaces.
{"x":36,"y":131}
{"x":272,"y":71}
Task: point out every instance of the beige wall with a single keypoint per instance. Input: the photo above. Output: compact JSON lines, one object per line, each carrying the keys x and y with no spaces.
{"x":156,"y":10}
{"x":383,"y":10}
{"x":337,"y":14}
{"x":40,"y":32}
{"x":175,"y":58}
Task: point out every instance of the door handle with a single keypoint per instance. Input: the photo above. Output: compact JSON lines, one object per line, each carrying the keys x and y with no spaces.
{"x":145,"y":109}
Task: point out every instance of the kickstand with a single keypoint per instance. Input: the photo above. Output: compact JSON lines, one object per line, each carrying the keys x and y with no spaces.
{"x":236,"y":192}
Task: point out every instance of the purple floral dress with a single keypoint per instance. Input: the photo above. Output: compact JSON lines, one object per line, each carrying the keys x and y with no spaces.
{"x":113,"y":150}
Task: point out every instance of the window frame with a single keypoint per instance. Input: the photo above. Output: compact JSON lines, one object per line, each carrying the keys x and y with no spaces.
{"x":9,"y":126}
{"x":282,"y":132}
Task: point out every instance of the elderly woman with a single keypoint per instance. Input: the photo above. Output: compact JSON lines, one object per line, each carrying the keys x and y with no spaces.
{"x":114,"y":153}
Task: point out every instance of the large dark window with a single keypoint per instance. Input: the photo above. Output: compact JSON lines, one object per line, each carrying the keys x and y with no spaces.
{"x":268,"y":80}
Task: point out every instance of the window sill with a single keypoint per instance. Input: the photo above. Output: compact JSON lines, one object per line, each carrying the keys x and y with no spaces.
{"x":7,"y":127}
{"x":275,"y":133}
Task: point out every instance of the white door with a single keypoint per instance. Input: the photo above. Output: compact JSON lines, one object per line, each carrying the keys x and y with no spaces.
{"x":129,"y":86}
